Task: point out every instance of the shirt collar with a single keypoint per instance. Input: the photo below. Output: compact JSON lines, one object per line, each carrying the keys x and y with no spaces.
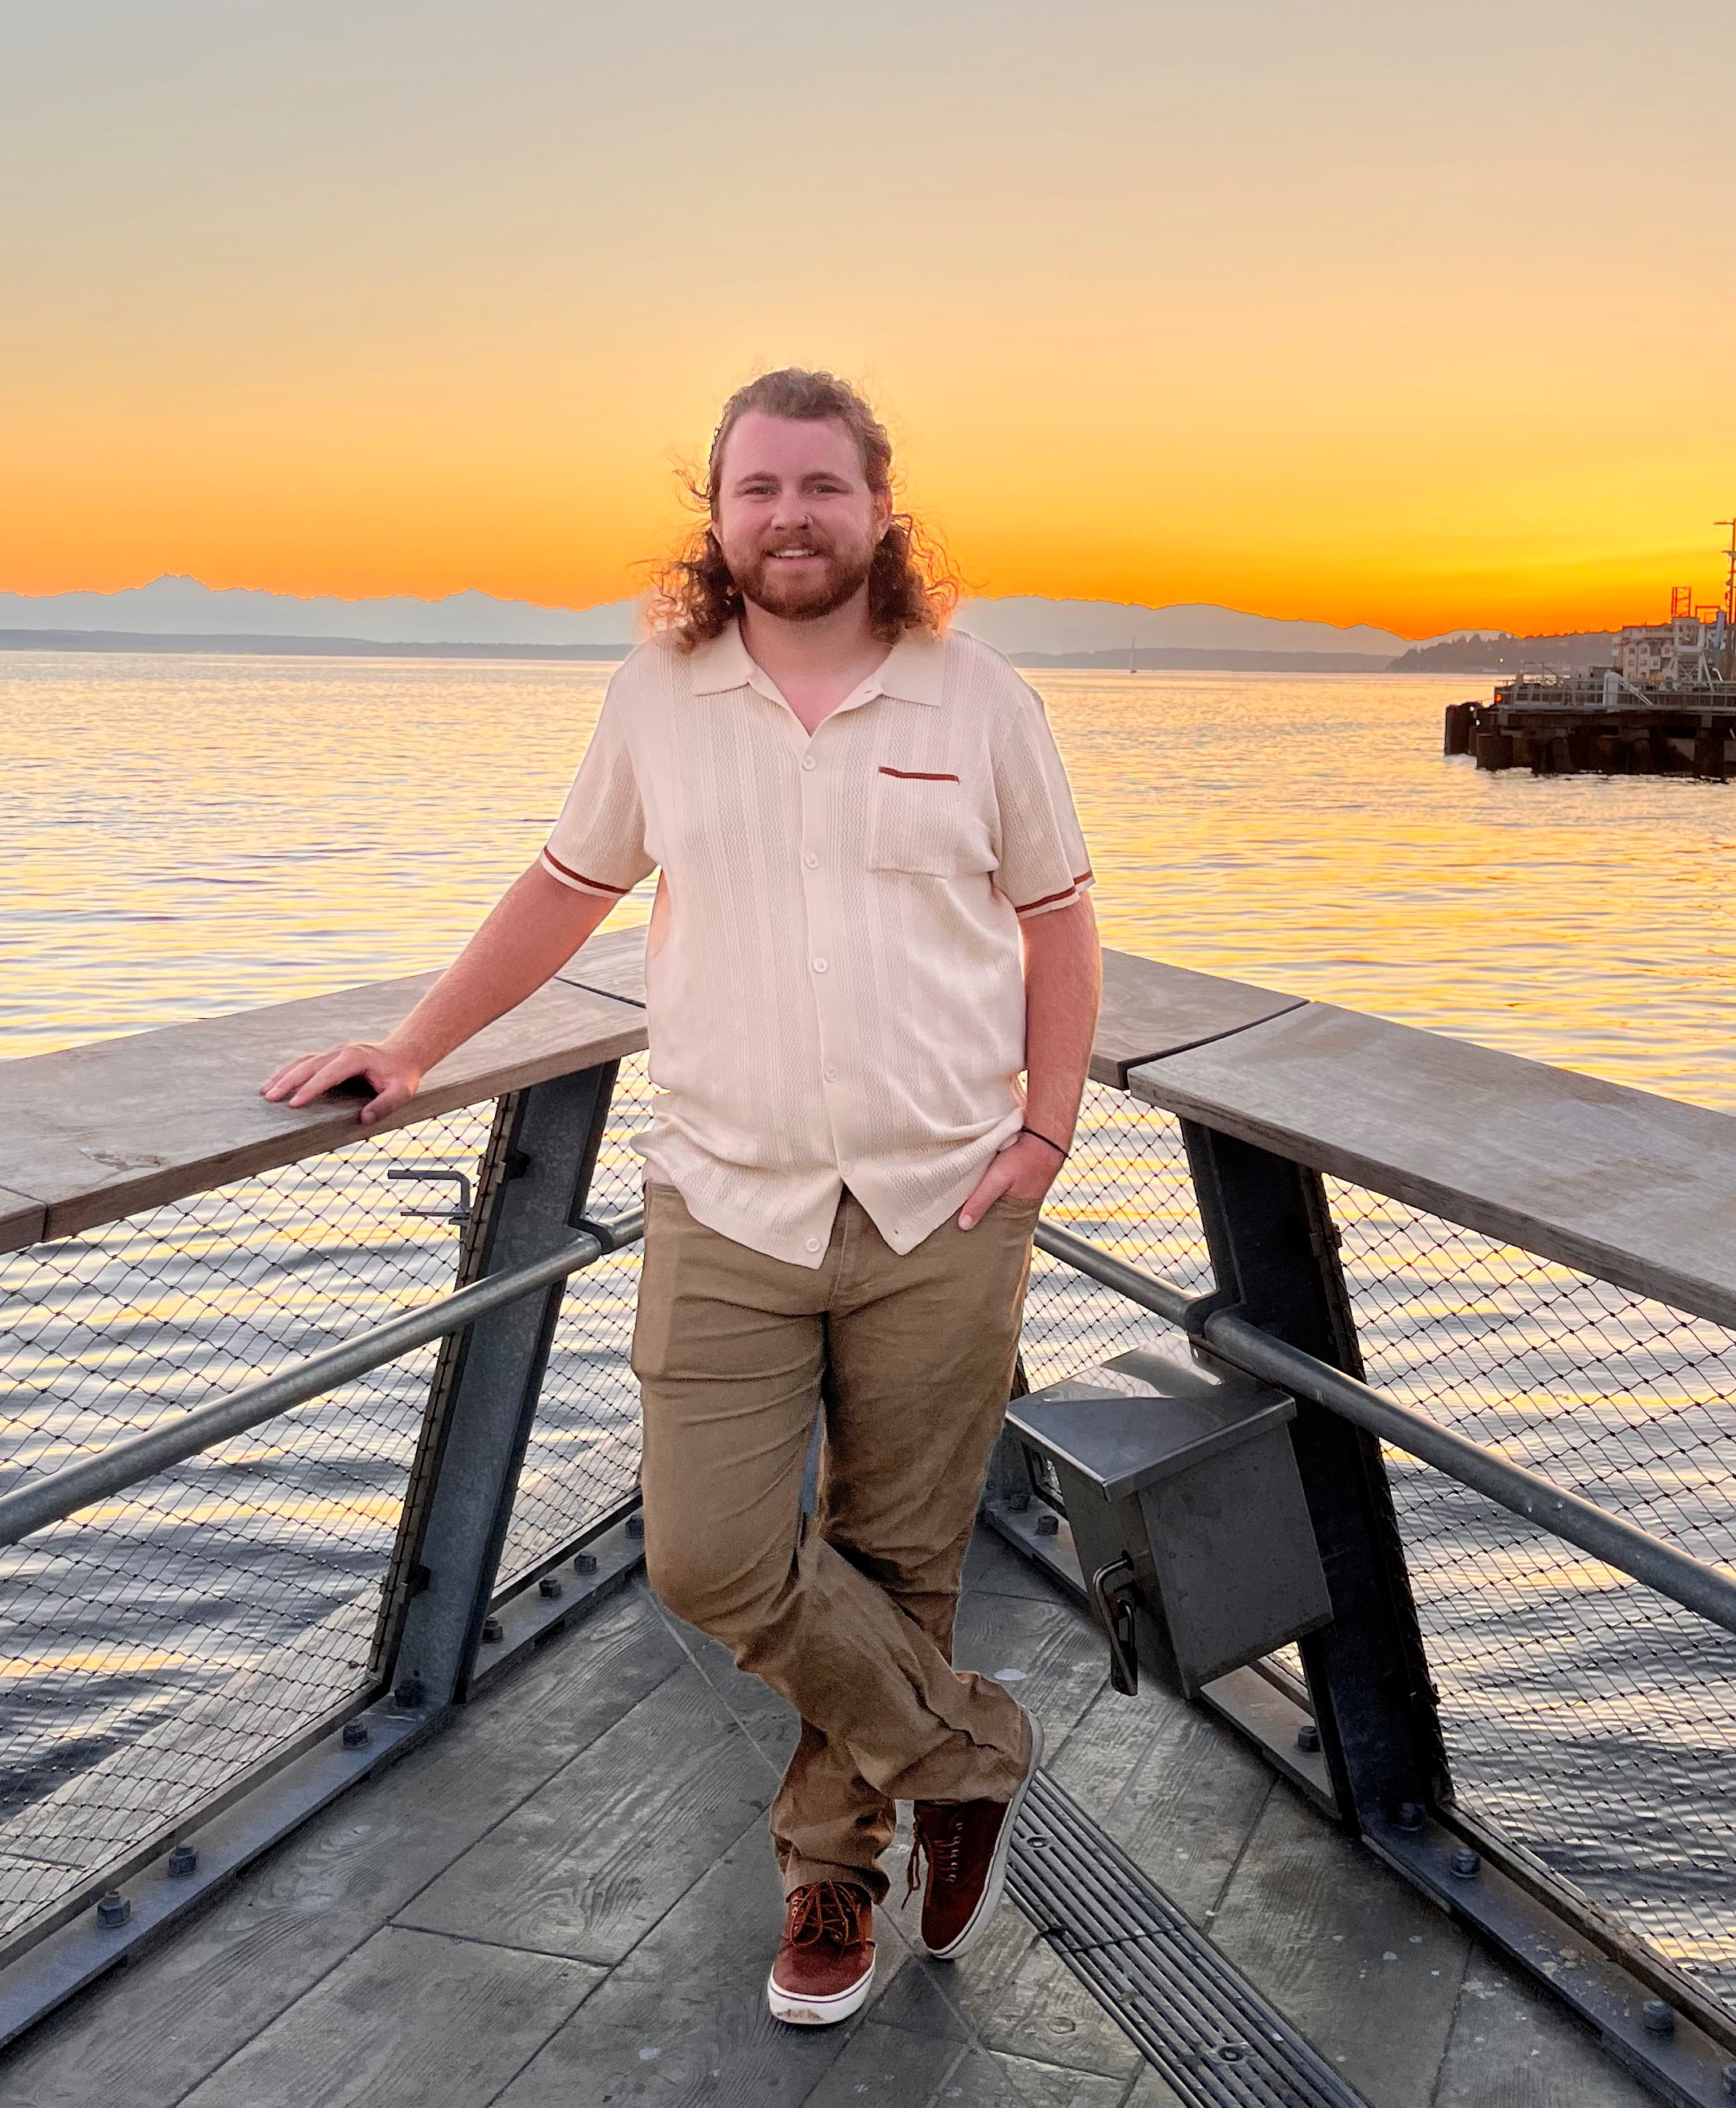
{"x":912,"y":670}
{"x":721,"y":662}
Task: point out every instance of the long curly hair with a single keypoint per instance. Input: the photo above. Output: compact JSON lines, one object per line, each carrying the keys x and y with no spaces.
{"x":911,"y":584}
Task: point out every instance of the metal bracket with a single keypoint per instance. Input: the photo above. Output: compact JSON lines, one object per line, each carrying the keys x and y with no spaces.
{"x":603,"y":1233}
{"x":1193,"y":1319}
{"x":1115,"y":1607}
{"x":459,"y":1210}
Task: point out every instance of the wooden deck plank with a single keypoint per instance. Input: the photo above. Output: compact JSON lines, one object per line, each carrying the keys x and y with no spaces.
{"x":410,"y":2018}
{"x":1042,"y":2011}
{"x":988,"y":2078}
{"x":1511,"y":2048}
{"x":1638,"y":1189}
{"x":151,"y":2031}
{"x":1179,"y":1796}
{"x":1151,"y":1009}
{"x":589,"y":1864}
{"x":683,"y":2018}
{"x":1367,"y":1970}
{"x":992,"y":1568}
{"x":768,"y":1719}
{"x":1010,"y":1992}
{"x":1057,"y":1662}
{"x":884,"y":2067}
{"x":226,"y":1994}
{"x":977,"y":2002}
{"x":576,"y":1687}
{"x":1152,"y":2090}
{"x":102,"y":1131}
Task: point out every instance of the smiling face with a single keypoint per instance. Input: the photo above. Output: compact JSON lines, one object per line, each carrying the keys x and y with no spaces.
{"x":795,"y":517}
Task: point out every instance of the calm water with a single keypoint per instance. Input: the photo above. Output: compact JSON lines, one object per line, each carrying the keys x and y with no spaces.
{"x":191,"y":834}
{"x":194,"y":834}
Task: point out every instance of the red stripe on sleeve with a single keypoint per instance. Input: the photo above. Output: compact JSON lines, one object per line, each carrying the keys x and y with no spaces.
{"x":578,"y":878}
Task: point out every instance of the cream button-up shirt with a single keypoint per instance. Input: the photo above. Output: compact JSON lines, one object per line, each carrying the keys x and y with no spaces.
{"x":834,"y":975}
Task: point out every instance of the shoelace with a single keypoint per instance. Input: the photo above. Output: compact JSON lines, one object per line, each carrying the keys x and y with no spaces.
{"x":821,"y":1912}
{"x":937,"y":1840}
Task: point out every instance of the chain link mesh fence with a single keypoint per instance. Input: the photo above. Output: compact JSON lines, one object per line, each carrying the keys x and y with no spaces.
{"x":1125,"y":1187}
{"x":164,"y":1643}
{"x":1589,"y":1718}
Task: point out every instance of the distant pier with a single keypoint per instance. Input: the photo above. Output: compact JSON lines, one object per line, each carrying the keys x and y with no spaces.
{"x":1553,"y":731}
{"x":1665,"y":707}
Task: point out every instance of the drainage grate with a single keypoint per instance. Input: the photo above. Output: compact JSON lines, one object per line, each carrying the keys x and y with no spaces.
{"x":1211,"y":2035}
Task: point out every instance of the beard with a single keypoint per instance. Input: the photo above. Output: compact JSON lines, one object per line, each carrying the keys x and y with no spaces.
{"x":815,"y":591}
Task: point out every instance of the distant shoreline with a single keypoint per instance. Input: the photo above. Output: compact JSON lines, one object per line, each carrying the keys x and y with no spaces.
{"x":1154,"y":660}
{"x":1164,"y":659}
{"x":289,"y":647}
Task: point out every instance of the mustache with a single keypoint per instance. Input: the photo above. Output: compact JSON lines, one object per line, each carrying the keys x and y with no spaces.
{"x":819,"y":545}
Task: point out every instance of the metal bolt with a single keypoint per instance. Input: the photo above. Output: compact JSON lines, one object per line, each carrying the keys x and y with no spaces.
{"x":115,"y":1909}
{"x":585,"y":1562}
{"x":1048,"y":1523}
{"x":1465,"y":1862}
{"x":1232,"y":2052}
{"x":551,"y":1585}
{"x":356,"y":1734}
{"x":182,"y":1861}
{"x":636,"y":1524}
{"x":492,"y":1631}
{"x":1658,"y":2016}
{"x":1729,"y":2080}
{"x":1019,"y":1503}
{"x":412,"y":1693}
{"x":1410,"y":1815}
{"x":1308,"y":1737}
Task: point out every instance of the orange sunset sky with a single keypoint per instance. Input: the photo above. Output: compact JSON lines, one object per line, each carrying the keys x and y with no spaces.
{"x":1422,"y":316}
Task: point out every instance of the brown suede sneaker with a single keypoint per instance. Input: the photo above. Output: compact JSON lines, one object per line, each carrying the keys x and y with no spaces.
{"x":965,"y":1843}
{"x":825,"y":1963}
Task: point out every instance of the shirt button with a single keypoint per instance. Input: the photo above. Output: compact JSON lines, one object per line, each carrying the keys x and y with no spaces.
{"x":807,"y":761}
{"x":831,"y":1074}
{"x":811,"y":861}
{"x":813,"y":1243}
{"x":820,"y":966}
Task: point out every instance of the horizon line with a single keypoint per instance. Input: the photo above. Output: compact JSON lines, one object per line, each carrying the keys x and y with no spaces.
{"x":565,"y":607}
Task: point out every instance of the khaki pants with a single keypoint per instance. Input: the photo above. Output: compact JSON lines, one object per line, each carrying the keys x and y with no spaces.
{"x":849,"y":1617}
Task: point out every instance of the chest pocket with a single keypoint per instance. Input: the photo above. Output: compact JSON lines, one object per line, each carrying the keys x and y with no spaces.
{"x":920,"y":822}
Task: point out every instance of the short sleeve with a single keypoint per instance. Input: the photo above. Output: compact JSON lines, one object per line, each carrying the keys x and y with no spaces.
{"x":598,"y":843}
{"x":1043,"y":861}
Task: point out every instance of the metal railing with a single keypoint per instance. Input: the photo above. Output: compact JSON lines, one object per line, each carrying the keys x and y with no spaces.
{"x":205,"y":1581}
{"x":123,"y":1464}
{"x":1583,"y":1710}
{"x":1697,"y":1586}
{"x":211,"y":1472}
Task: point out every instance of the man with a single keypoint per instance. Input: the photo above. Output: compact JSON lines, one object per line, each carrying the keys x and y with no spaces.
{"x":870,"y":917}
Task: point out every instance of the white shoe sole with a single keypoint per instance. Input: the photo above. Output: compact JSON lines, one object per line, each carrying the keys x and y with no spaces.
{"x":817,"y":2012}
{"x":977,"y":1923}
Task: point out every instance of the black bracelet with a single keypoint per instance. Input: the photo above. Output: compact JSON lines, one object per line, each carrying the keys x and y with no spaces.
{"x":1064,"y":1154}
